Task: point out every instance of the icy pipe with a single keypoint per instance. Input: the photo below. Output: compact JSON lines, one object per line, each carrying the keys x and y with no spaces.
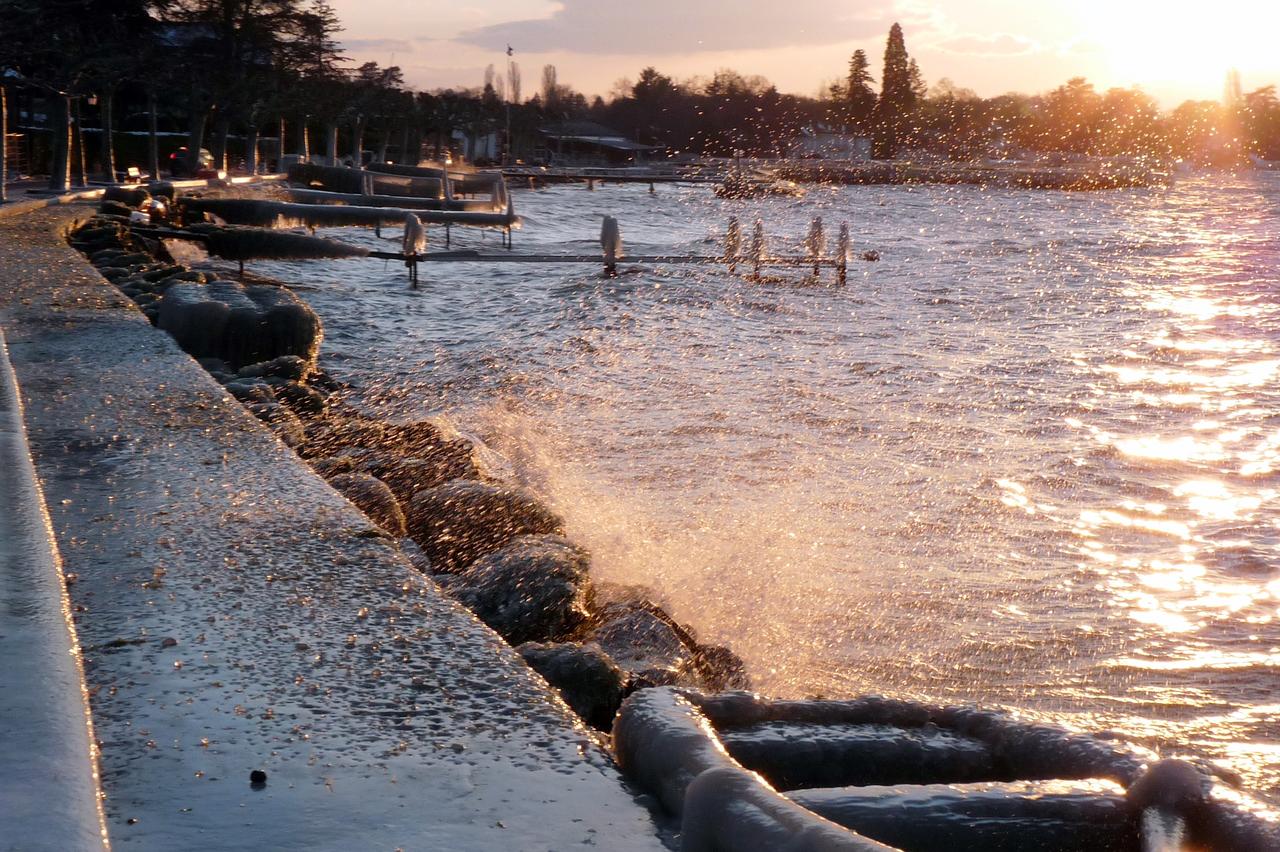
{"x":668,"y":747}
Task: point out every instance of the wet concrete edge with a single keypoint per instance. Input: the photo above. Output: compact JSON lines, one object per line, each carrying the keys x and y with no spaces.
{"x":366,"y":745}
{"x":48,"y":761}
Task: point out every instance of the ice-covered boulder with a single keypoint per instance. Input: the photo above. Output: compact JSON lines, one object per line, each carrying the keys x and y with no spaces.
{"x":588,"y":680}
{"x":535,"y":588}
{"x":372,"y":497}
{"x":648,"y":648}
{"x":464,"y":519}
{"x":241,"y":325}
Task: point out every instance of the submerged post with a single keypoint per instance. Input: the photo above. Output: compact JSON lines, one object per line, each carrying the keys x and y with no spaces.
{"x":611,"y":243}
{"x":757,"y":246}
{"x":733,"y":244}
{"x":816,"y":244}
{"x":842,"y":254}
{"x":415,"y":243}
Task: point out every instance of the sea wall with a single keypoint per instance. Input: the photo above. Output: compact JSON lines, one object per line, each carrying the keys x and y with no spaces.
{"x":237,"y":614}
{"x":490,"y":544}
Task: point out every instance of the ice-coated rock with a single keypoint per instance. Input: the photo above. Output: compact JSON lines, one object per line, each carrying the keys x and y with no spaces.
{"x":301,"y":399}
{"x":373,"y":498}
{"x":283,"y":422}
{"x":587,"y":679}
{"x":241,"y":325}
{"x":647,"y":647}
{"x":334,"y":436}
{"x":286,"y":367}
{"x":535,"y":588}
{"x":463,"y":519}
{"x":406,"y":477}
{"x":247,"y":390}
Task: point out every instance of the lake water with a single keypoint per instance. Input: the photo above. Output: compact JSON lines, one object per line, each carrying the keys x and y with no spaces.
{"x":1030,"y":458}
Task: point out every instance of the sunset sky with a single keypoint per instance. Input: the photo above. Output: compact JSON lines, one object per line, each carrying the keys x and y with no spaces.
{"x":1173,"y":49}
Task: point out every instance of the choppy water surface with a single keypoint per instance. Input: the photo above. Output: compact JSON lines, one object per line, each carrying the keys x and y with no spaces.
{"x":1030,"y":458}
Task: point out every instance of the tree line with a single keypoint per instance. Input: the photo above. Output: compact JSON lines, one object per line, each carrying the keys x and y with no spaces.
{"x":226,"y":73}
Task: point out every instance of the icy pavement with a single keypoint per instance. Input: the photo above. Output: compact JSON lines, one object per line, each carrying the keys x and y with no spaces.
{"x":46,"y":765}
{"x":237,"y":614}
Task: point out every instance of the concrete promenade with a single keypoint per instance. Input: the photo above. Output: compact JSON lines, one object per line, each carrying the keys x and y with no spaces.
{"x":236,"y":613}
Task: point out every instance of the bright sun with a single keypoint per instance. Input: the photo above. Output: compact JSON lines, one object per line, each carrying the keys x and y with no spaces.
{"x":1191,"y":44}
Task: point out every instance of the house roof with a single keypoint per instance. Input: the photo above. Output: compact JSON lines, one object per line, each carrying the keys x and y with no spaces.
{"x":590,"y":133}
{"x":617,"y":143}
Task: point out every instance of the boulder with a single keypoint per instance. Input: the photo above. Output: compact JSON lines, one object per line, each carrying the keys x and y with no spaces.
{"x":720,"y":668}
{"x":100,"y":257}
{"x":648,"y":648}
{"x":196,"y":321}
{"x":406,"y":477}
{"x":241,"y":325}
{"x":289,"y":367}
{"x":590,"y":682}
{"x":214,"y":365}
{"x":247,"y":390}
{"x":301,"y":399}
{"x":372,"y":497}
{"x":133,"y":197}
{"x":332,"y":436}
{"x":115,"y":207}
{"x":463,"y":519}
{"x":283,"y":422}
{"x":534,"y":589}
{"x":333,"y":465}
{"x":292,"y":327}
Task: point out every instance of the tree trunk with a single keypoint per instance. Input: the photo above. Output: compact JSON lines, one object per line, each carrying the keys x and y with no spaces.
{"x":60,"y":155}
{"x":382,"y":146}
{"x":78,"y":138}
{"x":195,"y":141}
{"x":304,"y":142}
{"x":222,"y":129}
{"x":108,"y":141}
{"x":251,"y":149}
{"x":405,"y":159}
{"x":280,"y":146}
{"x":357,"y":142}
{"x":4,"y":147}
{"x":331,"y":143}
{"x":153,"y":140}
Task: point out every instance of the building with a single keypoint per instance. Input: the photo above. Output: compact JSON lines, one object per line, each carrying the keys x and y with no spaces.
{"x":822,"y":143}
{"x":585,"y":143}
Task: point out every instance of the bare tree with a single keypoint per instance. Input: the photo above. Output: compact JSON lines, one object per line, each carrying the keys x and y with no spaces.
{"x":513,"y":82}
{"x":550,"y":89}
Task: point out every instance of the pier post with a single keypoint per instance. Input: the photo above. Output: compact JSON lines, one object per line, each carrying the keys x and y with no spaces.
{"x":842,"y":254}
{"x":611,"y":244}
{"x":816,"y":244}
{"x":733,"y":244}
{"x":757,"y":246}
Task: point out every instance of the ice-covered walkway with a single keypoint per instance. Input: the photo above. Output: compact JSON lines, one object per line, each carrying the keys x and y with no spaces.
{"x":237,"y":614}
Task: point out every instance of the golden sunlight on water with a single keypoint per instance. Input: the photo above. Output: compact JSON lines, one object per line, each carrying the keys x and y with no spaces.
{"x":1028,"y":459}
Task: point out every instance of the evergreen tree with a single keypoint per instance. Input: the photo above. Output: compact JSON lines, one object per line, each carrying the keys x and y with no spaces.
{"x":896,"y":98}
{"x":859,"y":96}
{"x":918,"y":87}
{"x":653,"y":87}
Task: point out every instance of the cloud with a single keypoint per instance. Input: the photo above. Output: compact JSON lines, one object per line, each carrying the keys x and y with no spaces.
{"x":998,"y":44}
{"x":377,"y":45}
{"x":684,"y":26}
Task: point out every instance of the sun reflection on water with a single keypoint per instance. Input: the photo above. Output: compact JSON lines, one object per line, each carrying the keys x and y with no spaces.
{"x":1029,"y":459}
